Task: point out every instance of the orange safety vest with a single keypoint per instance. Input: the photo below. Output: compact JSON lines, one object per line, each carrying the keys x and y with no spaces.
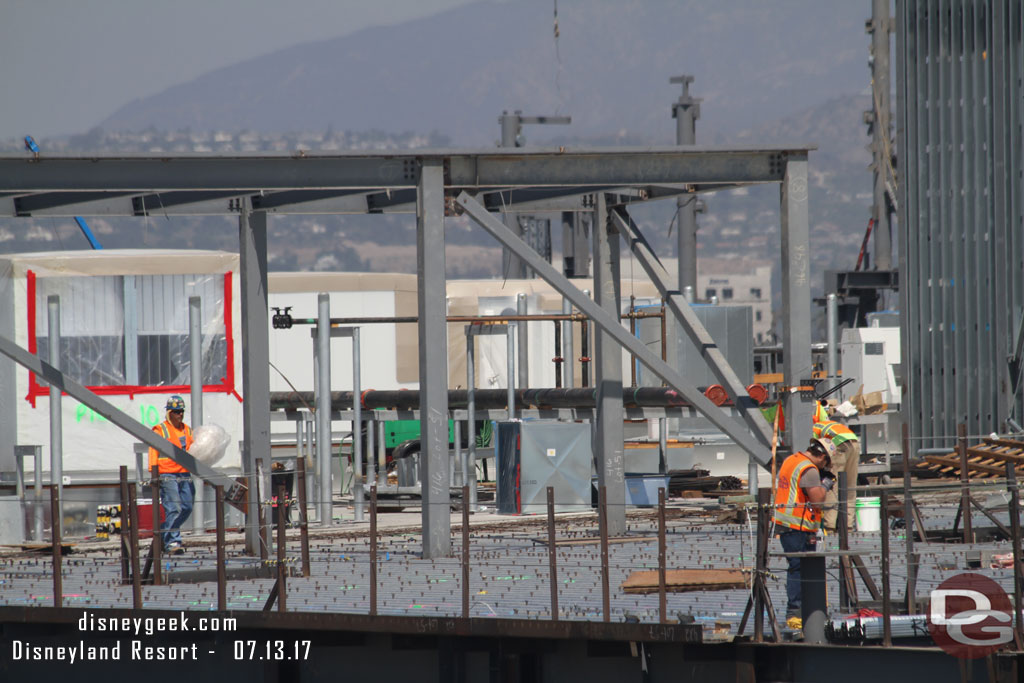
{"x":182,"y":438}
{"x":837,"y":431}
{"x":792,"y":509}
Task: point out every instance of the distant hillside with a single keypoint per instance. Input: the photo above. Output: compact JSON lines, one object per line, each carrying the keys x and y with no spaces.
{"x":455,"y":72}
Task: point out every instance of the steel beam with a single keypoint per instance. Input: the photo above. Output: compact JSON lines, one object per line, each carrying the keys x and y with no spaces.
{"x":693,"y":327}
{"x":732,"y":428}
{"x":433,"y":357}
{"x":609,"y":436}
{"x":252,"y":248}
{"x":796,"y":301}
{"x":56,"y":378}
{"x":465,"y":169}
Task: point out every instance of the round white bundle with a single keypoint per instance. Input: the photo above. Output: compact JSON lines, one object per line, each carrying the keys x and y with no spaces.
{"x":209,"y":443}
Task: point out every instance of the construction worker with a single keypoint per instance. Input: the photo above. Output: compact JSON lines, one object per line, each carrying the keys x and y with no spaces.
{"x":800,"y":491}
{"x":847,"y":460}
{"x":177,"y":492}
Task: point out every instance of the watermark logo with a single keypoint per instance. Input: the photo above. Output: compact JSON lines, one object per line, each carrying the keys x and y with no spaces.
{"x":970,"y":616}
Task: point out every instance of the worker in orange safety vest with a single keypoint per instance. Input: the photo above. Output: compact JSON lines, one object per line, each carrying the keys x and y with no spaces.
{"x":802,"y":484}
{"x":177,"y":492}
{"x":847,"y":460}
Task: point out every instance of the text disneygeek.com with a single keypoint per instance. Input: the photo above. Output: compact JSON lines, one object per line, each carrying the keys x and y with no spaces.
{"x":93,"y":626}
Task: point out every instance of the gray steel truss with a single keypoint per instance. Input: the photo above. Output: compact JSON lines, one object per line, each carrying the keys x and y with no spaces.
{"x":610,"y":324}
{"x":517,"y":180}
{"x":693,"y":327}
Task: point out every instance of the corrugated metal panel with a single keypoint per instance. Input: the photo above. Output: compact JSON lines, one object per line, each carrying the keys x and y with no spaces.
{"x":959,"y":89}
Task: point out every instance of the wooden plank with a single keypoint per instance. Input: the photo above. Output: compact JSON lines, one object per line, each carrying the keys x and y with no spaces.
{"x":686,"y":580}
{"x":973,"y":466}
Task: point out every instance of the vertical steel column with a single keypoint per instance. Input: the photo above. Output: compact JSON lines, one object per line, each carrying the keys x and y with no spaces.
{"x":465,"y":551}
{"x":886,"y":601}
{"x":908,"y":518}
{"x":965,"y":483}
{"x":373,"y":548}
{"x":662,"y":559}
{"x":195,"y":347}
{"x":37,"y":487}
{"x":461,"y":472}
{"x":552,"y":554}
{"x":56,"y":427}
{"x":371,"y":448}
{"x":1011,"y":485}
{"x":510,"y":368}
{"x":569,"y":365}
{"x":523,"y":349}
{"x":222,"y":575}
{"x":357,"y":429}
{"x":433,"y":358}
{"x":325,"y":511}
{"x":686,"y":111}
{"x":609,"y":443}
{"x":252,"y":246}
{"x":471,"y":413}
{"x":796,"y":299}
{"x":831,"y":331}
{"x":58,"y":577}
{"x":879,"y":28}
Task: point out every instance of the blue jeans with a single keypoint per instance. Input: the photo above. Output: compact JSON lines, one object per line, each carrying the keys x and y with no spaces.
{"x":795,"y":542}
{"x":177,"y":493}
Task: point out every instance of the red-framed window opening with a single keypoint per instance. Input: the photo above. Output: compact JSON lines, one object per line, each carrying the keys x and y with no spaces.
{"x":226,"y":384}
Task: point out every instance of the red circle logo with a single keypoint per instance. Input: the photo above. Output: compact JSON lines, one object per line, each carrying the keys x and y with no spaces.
{"x":970,"y":616}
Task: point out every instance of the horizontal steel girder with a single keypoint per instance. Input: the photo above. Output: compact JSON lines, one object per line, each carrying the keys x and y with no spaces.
{"x":463,"y":169}
{"x":735,"y":430}
{"x":56,"y":378}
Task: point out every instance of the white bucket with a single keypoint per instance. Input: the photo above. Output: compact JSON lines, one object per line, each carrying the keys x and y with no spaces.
{"x":868,"y":513}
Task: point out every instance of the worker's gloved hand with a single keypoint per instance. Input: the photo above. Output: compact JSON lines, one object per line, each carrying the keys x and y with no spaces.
{"x":828,"y":480}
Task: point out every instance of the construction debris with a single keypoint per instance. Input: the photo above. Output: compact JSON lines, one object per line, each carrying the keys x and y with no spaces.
{"x":686,"y":580}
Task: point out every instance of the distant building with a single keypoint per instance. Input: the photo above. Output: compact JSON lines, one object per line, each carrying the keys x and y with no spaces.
{"x":739,"y":282}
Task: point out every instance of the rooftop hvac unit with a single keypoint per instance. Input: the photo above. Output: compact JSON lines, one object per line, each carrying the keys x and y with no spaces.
{"x":531,"y":456}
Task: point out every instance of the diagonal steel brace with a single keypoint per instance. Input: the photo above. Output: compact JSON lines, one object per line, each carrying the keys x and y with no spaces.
{"x":734,"y":429}
{"x":58,"y":379}
{"x":692,"y":325}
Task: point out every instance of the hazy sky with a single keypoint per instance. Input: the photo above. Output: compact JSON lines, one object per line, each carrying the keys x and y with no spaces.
{"x":65,"y":65}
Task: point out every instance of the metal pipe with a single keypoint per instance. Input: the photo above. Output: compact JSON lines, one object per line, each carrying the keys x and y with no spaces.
{"x":832,"y":316}
{"x":371,"y":445}
{"x":460,"y":460}
{"x":58,"y":586}
{"x":195,"y":347}
{"x":157,"y":537}
{"x":323,"y":408}
{"x":465,"y":551}
{"x":523,"y":333}
{"x":357,"y":428}
{"x":373,"y":548}
{"x":471,"y":414}
{"x":632,"y":331}
{"x":1014,"y":510}
{"x":508,"y":317}
{"x":381,"y":466}
{"x":602,"y":520}
{"x":303,"y":516}
{"x":510,"y":369}
{"x":559,"y":360}
{"x":662,"y":599}
{"x":662,"y":445}
{"x":56,"y":427}
{"x":409,"y":399}
{"x":222,"y":576}
{"x":568,"y":368}
{"x":886,"y":597}
{"x":37,"y":486}
{"x":552,"y":554}
{"x":908,"y":518}
{"x":133,"y":528}
{"x":965,"y":479}
{"x":282,"y":569}
{"x":584,"y":351}
{"x":123,"y":472}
